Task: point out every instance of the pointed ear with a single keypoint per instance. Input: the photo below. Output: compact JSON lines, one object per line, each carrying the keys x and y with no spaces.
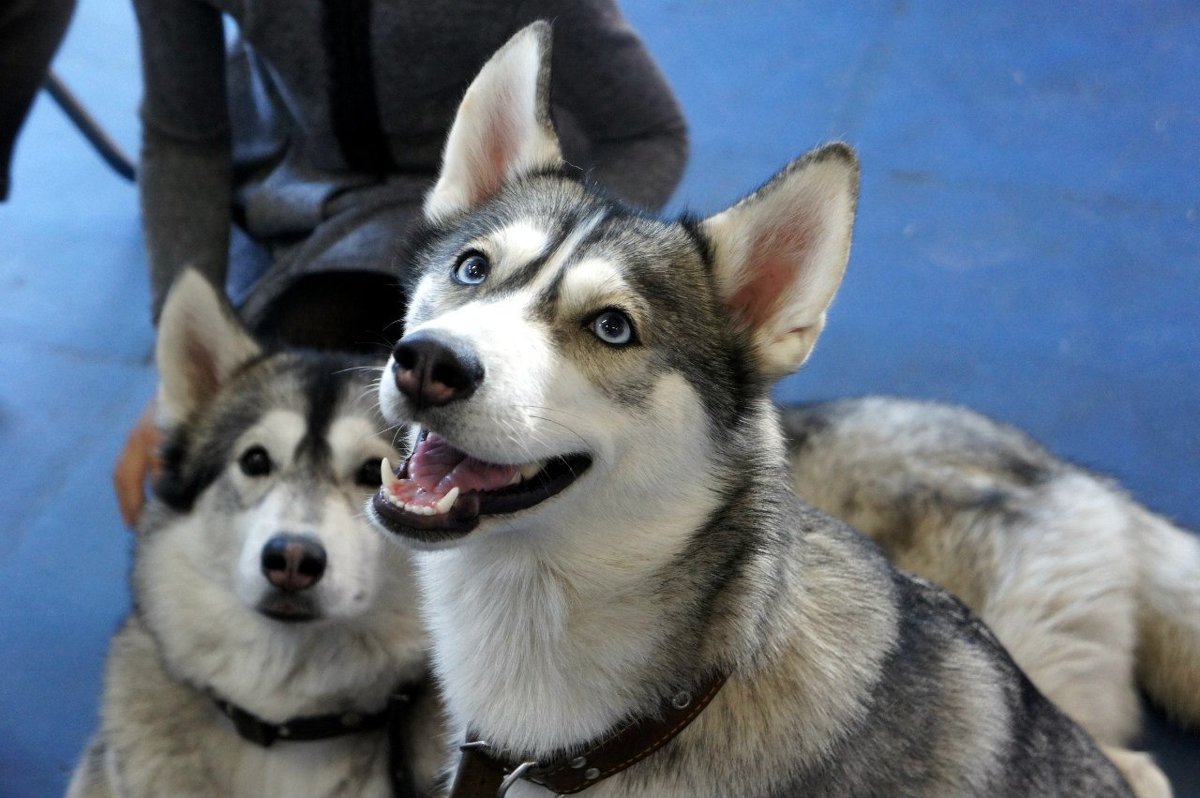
{"x":200,"y":343}
{"x":503,"y":127}
{"x":780,"y":253}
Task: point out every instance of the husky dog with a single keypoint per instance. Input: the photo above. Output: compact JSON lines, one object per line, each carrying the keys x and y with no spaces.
{"x":272,"y":624}
{"x":600,"y":495}
{"x":1083,"y":585}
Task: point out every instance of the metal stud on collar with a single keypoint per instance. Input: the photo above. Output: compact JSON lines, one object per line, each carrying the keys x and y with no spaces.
{"x":512,"y":778}
{"x":681,"y":699}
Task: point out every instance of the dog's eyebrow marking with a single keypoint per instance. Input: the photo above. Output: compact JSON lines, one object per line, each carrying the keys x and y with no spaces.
{"x":519,"y":243}
{"x":354,"y":439}
{"x":551,"y":271}
{"x":281,"y":431}
{"x":592,"y":279}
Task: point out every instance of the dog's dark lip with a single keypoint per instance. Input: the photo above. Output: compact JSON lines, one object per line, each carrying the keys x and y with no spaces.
{"x":466,"y":513}
{"x":286,"y":608}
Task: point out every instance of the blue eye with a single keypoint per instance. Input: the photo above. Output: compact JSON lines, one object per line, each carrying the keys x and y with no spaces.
{"x":613,"y":328}
{"x":472,"y":269}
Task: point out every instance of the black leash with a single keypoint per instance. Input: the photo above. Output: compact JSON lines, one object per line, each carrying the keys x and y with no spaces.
{"x":90,"y":128}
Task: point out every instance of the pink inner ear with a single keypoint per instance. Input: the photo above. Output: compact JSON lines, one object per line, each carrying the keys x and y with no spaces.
{"x":500,"y":142}
{"x":201,"y":370}
{"x":771,"y":272}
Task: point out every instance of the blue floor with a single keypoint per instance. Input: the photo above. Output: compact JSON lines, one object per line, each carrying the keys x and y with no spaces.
{"x":1028,"y":243}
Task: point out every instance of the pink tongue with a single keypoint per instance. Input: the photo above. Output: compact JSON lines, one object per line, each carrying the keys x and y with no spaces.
{"x":436,"y":467}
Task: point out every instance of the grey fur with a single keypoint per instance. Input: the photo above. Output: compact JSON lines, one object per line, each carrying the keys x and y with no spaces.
{"x":682,"y":550}
{"x":195,"y":634}
{"x":928,"y":668}
{"x":1084,"y":586}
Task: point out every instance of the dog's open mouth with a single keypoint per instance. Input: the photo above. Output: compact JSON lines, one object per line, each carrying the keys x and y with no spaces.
{"x":440,"y":492}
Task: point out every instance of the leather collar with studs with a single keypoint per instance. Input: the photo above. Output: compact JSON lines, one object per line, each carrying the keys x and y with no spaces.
{"x":483,"y":773}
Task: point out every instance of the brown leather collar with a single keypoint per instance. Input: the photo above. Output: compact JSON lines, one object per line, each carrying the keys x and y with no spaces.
{"x":483,"y":773}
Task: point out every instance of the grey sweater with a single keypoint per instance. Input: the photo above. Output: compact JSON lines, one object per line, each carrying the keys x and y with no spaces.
{"x":321,"y":128}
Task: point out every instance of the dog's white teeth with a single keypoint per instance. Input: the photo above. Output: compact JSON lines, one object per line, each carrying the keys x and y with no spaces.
{"x":523,"y":473}
{"x":446,"y":502}
{"x":389,"y":480}
{"x":387,"y":475}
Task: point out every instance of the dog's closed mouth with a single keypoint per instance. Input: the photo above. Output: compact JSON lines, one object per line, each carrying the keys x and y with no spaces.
{"x":288,"y":608}
{"x":441,"y":492}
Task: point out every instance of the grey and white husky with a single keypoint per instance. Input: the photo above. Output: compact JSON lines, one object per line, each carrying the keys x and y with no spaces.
{"x":600,"y":496}
{"x":1085,"y":587}
{"x":272,"y":625}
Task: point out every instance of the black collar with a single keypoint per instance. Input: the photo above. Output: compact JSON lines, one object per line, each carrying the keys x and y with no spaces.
{"x":314,"y":727}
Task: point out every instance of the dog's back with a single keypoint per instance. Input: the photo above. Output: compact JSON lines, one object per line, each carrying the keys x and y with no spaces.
{"x":928,"y":701}
{"x":1080,"y":583}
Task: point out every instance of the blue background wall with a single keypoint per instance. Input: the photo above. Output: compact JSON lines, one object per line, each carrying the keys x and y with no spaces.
{"x":1028,"y":244}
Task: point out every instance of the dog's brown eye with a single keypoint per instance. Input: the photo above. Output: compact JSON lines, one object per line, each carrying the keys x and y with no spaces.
{"x":255,"y":462}
{"x":613,"y":328}
{"x":367,"y":474}
{"x":472,"y":269}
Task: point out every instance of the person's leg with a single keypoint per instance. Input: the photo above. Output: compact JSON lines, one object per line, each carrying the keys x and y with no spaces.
{"x":30,"y":32}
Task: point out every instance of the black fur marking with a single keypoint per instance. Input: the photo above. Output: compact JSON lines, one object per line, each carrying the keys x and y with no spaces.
{"x":322,"y":387}
{"x":185,"y":474}
{"x":190,"y":464}
{"x":691,"y":224}
{"x":524,"y":275}
{"x":738,"y":521}
{"x":1022,"y":471}
{"x":198,"y":451}
{"x":548,"y":300}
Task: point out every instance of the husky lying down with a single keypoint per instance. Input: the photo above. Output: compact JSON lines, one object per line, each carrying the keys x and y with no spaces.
{"x":268,"y":612}
{"x":623,"y":593}
{"x":1082,"y":585}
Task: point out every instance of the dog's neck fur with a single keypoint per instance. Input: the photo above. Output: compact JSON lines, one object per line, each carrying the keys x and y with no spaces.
{"x":547,"y":637}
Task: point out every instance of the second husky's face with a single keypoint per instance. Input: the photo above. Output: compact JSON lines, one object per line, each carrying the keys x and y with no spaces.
{"x":269,"y":459}
{"x":270,"y":480}
{"x":591,"y":330}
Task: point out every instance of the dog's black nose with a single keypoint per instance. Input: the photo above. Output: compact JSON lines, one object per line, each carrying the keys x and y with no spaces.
{"x":293,"y":562}
{"x":433,"y":369}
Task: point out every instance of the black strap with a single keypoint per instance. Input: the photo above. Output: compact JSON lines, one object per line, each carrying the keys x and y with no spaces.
{"x":312,"y":727}
{"x":400,"y":772}
{"x":317,"y":727}
{"x":322,"y":727}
